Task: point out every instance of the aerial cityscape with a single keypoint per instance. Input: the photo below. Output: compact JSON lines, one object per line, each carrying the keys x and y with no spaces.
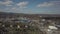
{"x":16,"y":23}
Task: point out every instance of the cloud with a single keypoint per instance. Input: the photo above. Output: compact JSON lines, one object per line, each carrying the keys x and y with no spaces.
{"x":18,"y":7}
{"x":14,"y":8}
{"x":22,"y":4}
{"x":45,"y":4}
{"x":49,"y":4}
{"x":6,"y":3}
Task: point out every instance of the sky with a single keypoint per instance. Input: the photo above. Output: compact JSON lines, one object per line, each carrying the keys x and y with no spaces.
{"x":30,"y":6}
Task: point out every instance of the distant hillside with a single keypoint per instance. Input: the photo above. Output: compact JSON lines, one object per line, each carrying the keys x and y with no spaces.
{"x":5,"y":14}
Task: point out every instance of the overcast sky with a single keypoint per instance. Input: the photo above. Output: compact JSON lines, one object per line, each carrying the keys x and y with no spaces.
{"x":31,"y":6}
